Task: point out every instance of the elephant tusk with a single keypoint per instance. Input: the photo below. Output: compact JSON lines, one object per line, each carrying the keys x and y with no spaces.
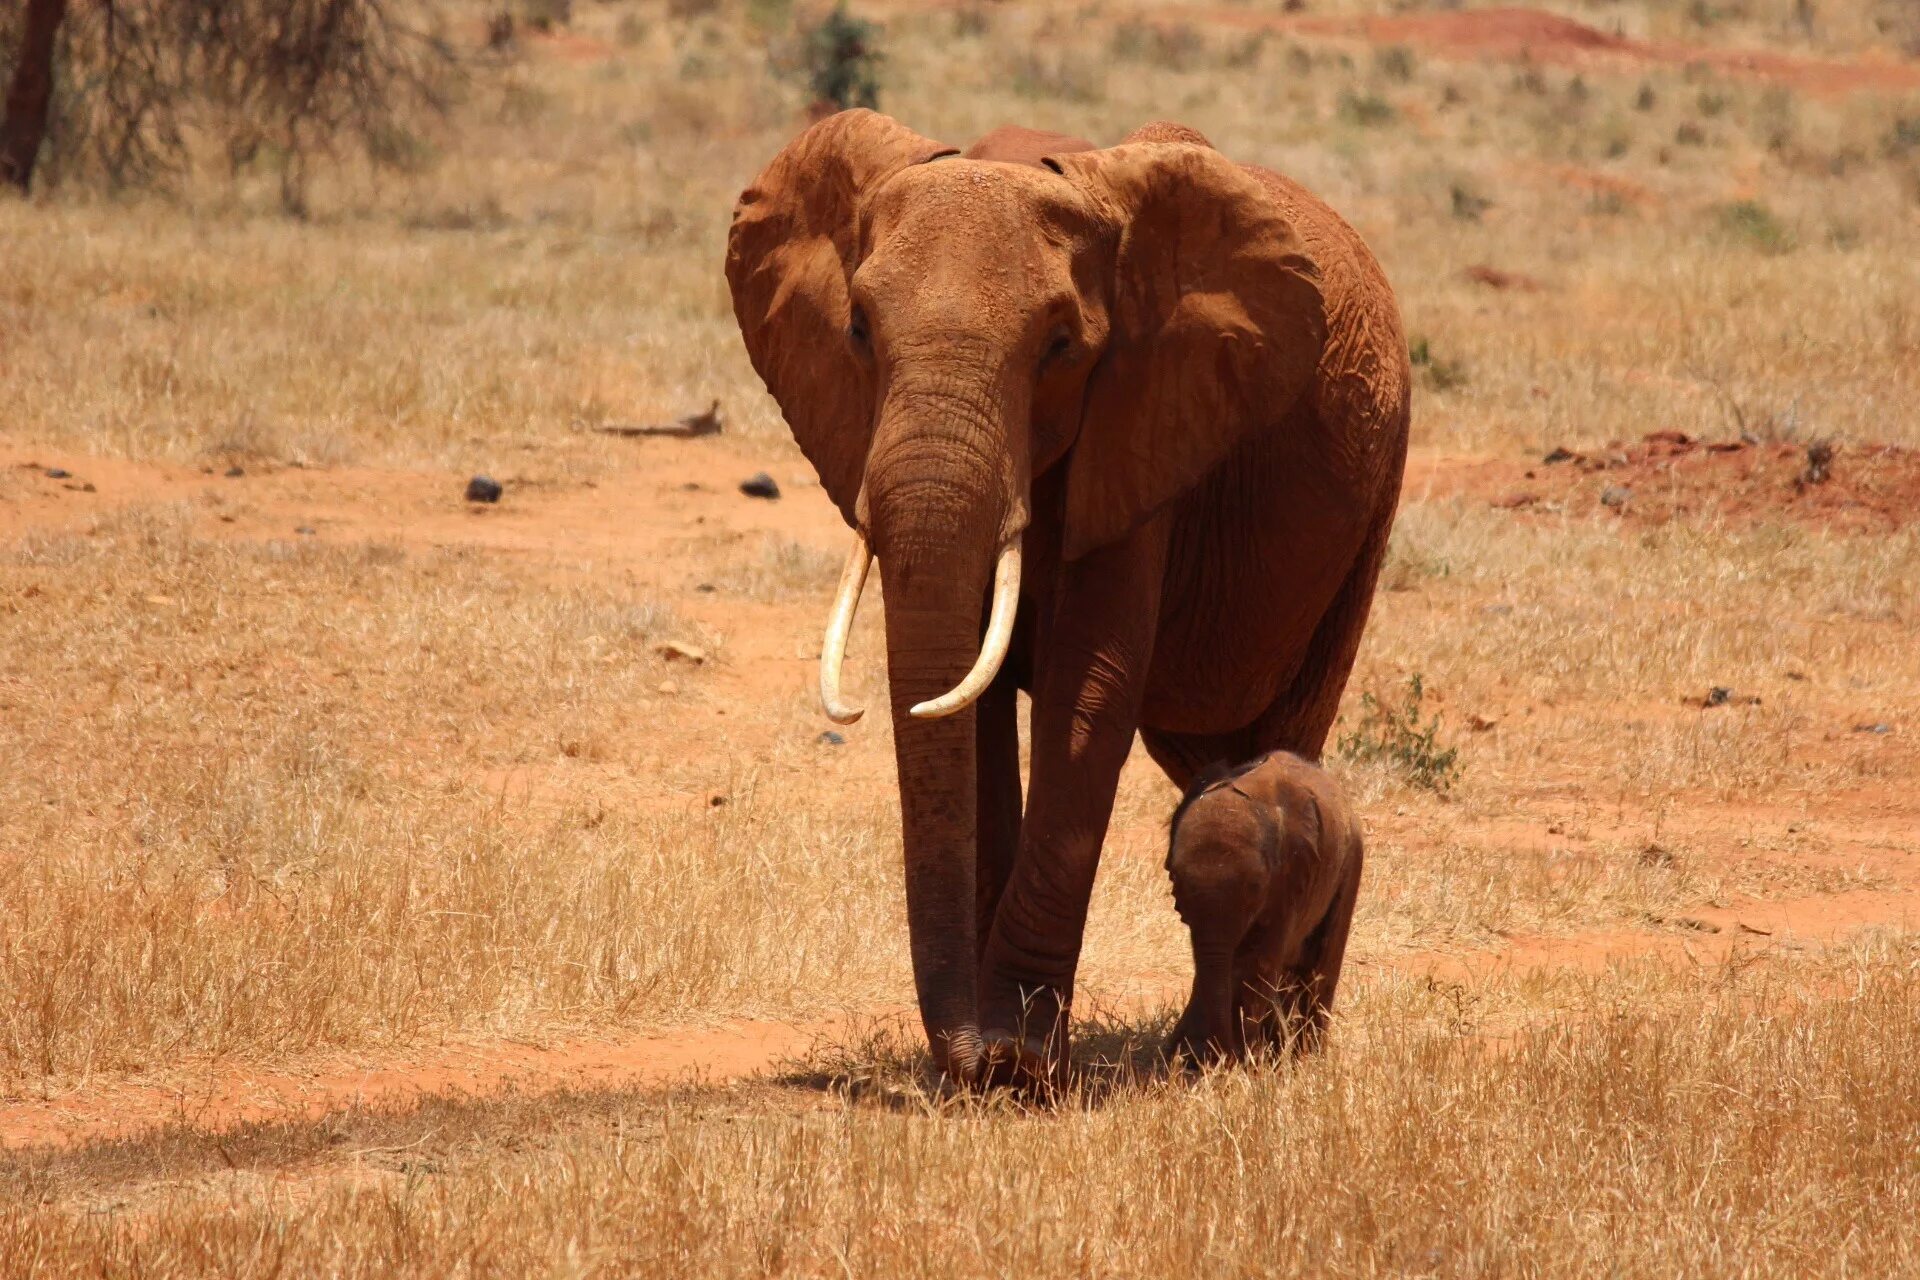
{"x":993,"y":647}
{"x":833,"y":650}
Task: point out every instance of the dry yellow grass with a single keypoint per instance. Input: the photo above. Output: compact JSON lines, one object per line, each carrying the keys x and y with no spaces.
{"x":267,"y":798}
{"x":1738,"y":1122}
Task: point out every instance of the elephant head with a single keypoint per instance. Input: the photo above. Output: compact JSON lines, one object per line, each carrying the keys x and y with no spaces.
{"x":940,"y":332}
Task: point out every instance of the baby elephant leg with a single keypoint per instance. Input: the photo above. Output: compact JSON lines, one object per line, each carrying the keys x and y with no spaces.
{"x":1217,"y":891}
{"x":1299,"y":1003}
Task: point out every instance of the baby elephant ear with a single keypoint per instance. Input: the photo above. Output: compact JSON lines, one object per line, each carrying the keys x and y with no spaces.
{"x":789,"y":253}
{"x":1216,"y":323}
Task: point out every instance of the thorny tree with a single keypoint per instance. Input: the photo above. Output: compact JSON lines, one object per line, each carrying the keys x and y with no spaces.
{"x":131,"y":91}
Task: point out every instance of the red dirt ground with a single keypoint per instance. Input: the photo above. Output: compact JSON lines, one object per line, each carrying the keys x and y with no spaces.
{"x":632,"y":522}
{"x":1667,"y":475}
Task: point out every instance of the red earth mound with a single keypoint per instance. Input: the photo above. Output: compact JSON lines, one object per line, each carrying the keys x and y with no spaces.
{"x":1668,"y":475}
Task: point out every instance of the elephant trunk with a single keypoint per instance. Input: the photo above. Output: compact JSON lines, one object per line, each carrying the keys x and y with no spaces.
{"x":939,"y":506}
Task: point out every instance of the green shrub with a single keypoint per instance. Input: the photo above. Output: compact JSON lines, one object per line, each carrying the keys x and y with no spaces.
{"x":1468,"y":204}
{"x":843,"y":61}
{"x":1439,"y":373}
{"x":1395,"y":736}
{"x":1365,"y":109}
{"x":1395,"y":62}
{"x":1751,"y":223}
{"x":1903,"y":137}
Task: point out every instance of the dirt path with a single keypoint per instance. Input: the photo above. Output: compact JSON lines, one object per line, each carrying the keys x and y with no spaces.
{"x":225,"y":1096}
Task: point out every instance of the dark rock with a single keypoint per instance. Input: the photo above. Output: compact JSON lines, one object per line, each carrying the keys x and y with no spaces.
{"x":305,"y":531}
{"x":1718,"y":696}
{"x":1876,"y":726}
{"x":1819,"y":464}
{"x":1560,"y":454}
{"x":833,"y":739}
{"x":760,"y":485}
{"x":1615,"y":495}
{"x":705,"y":588}
{"x":59,"y":473}
{"x":484,"y":489}
{"x":234,"y":473}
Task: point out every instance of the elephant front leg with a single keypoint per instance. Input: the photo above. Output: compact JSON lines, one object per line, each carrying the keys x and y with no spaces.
{"x":1089,"y":682}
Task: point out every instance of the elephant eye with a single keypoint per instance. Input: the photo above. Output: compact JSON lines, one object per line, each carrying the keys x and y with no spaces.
{"x":857,"y":328}
{"x":1061,"y":344}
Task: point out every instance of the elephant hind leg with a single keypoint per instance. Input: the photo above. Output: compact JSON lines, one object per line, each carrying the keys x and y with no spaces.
{"x":1181,"y":756}
{"x":1301,"y":717}
{"x":1298,"y":1005}
{"x":1218,"y":892}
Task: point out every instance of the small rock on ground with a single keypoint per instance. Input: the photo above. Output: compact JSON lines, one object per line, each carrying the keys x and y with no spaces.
{"x":833,"y":739}
{"x":760,"y":485}
{"x":483,"y":489}
{"x":675,"y":651}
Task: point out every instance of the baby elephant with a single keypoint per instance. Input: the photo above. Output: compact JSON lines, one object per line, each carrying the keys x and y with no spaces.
{"x":1265,"y":859}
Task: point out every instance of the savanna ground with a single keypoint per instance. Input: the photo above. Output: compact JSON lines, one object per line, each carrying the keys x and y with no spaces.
{"x":383,"y":892}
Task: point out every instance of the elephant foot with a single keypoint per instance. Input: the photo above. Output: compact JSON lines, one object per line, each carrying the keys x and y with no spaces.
{"x":1025,"y":1065}
{"x":1194,"y":1044}
{"x":1025,"y":1041}
{"x":959,"y":1057}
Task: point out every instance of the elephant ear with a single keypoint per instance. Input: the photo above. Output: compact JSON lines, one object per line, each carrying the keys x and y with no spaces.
{"x":1216,"y":328}
{"x":789,"y":253}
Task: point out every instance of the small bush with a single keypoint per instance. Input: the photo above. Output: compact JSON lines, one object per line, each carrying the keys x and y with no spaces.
{"x":1751,"y":223}
{"x":1178,"y":47}
{"x":547,"y":15}
{"x":1395,"y":736}
{"x":1903,"y":137}
{"x":1365,"y":109}
{"x":1607,"y":204}
{"x":1468,"y":204}
{"x":1395,"y":62}
{"x":1063,"y":75}
{"x":843,"y":61}
{"x":1439,"y":373}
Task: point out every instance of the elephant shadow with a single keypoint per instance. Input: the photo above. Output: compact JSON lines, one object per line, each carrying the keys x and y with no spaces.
{"x":884,"y":1064}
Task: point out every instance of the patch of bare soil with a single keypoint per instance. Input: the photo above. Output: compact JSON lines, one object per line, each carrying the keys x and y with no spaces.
{"x":1668,"y":475}
{"x":224,"y":1097}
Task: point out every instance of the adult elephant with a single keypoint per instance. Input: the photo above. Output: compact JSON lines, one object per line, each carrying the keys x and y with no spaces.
{"x":1142,"y":409}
